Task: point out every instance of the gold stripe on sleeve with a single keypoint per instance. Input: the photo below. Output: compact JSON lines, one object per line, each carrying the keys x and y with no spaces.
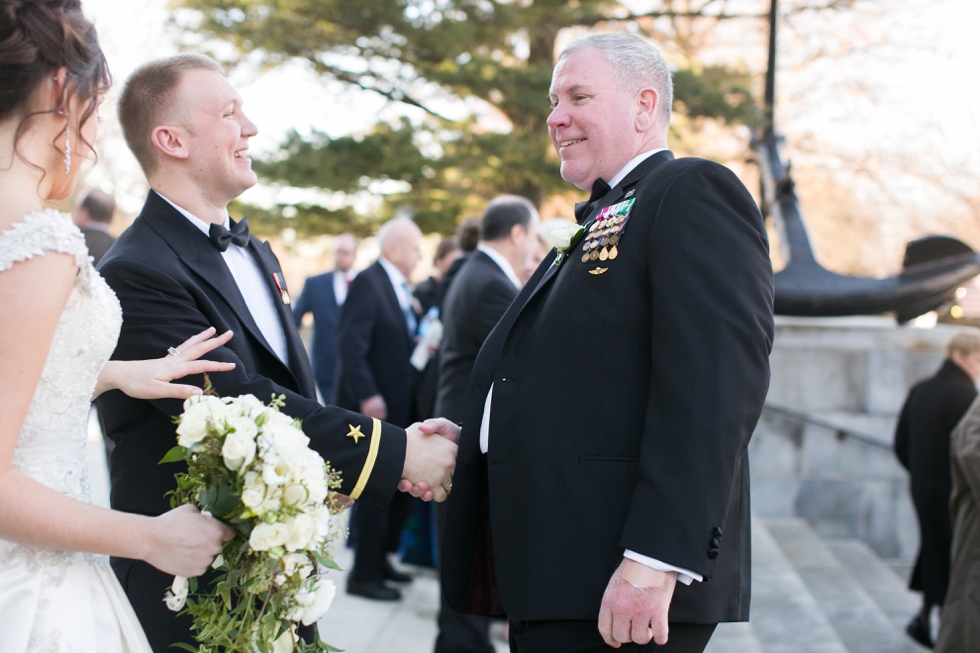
{"x":372,"y":457}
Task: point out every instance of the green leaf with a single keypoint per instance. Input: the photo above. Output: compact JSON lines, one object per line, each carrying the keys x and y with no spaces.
{"x":176,"y":454}
{"x":184,"y":647}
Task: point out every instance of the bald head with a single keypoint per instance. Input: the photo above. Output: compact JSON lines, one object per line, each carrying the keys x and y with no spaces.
{"x":400,"y":241}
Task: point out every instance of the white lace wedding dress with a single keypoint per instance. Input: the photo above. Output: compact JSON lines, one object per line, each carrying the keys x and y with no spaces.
{"x":63,"y":601}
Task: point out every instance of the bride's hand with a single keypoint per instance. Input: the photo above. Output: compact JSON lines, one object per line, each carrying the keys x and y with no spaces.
{"x":151,"y":379}
{"x":184,"y":542}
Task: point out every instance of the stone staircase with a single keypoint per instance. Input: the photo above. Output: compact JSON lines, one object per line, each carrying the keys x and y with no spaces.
{"x":818,"y":596}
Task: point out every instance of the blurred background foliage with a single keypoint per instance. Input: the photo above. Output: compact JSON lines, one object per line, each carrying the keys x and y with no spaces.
{"x":441,"y":165}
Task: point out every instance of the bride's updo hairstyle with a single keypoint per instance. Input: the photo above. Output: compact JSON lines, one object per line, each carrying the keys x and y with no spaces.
{"x":37,"y":38}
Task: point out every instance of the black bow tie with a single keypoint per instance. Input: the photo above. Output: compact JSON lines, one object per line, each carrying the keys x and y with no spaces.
{"x":583,"y":209}
{"x":222,"y":237}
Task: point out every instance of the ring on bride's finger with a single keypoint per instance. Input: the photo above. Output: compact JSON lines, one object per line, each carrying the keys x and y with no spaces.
{"x":448,"y":489}
{"x":173,"y":351}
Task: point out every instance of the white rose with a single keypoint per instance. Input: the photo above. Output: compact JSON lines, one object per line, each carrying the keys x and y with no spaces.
{"x":325,"y":591}
{"x":296,"y":563}
{"x":272,"y":501}
{"x":253,"y":493}
{"x":248,"y":405}
{"x":295,"y":495}
{"x":267,"y":536}
{"x":563,"y":236}
{"x":198,"y":412}
{"x":301,"y":531}
{"x":238,"y":450}
{"x":243,"y":425}
{"x":177,"y":595}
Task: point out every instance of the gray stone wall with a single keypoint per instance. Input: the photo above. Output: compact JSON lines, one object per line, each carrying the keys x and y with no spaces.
{"x":853,"y":373}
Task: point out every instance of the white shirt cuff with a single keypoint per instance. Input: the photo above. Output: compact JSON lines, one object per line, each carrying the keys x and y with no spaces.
{"x":684,"y":576}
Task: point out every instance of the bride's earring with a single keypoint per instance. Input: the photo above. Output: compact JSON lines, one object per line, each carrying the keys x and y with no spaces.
{"x":67,"y":148}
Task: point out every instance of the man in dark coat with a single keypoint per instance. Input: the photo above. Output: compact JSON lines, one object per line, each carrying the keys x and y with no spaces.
{"x":477,"y":299}
{"x":602,"y":477}
{"x":323,"y":295}
{"x":375,"y":340}
{"x":931,"y":411}
{"x":183,"y":266}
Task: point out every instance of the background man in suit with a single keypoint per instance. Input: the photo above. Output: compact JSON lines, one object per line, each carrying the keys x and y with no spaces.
{"x":609,"y":411}
{"x":475,"y":302}
{"x":930,"y":413}
{"x":323,"y":295}
{"x":178,"y":270}
{"x":93,"y":215}
{"x":375,"y":341}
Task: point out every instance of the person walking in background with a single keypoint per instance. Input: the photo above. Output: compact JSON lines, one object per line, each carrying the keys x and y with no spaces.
{"x":323,"y":295}
{"x":931,"y":411}
{"x":479,"y":296}
{"x":375,"y":339}
{"x":93,"y":215}
{"x":959,"y":631}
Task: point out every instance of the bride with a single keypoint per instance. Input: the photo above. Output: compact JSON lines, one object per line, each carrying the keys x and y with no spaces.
{"x":59,"y":323}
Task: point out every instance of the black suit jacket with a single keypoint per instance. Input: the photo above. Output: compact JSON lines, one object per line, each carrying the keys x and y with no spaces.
{"x":475,"y":302}
{"x":374,"y":347}
{"x":172,"y":283}
{"x":98,"y":243}
{"x":623,"y":402}
{"x":318,"y":298}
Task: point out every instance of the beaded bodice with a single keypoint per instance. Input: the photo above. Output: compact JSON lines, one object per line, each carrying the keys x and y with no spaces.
{"x":51,"y":446}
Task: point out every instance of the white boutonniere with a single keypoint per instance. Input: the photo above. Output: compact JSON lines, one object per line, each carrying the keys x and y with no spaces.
{"x":563,"y":237}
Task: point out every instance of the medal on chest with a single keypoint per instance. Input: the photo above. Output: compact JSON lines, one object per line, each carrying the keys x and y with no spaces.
{"x":602,"y":241}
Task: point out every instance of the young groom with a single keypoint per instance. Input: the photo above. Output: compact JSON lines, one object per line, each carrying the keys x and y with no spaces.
{"x":185,"y":265}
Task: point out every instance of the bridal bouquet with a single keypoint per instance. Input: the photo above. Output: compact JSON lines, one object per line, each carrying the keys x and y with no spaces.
{"x":251,"y":466}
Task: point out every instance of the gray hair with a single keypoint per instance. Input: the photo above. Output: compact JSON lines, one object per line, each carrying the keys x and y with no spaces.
{"x":638,"y":63}
{"x":393,"y":230}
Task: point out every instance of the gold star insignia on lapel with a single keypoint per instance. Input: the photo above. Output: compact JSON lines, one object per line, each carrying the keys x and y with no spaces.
{"x":355,"y":432}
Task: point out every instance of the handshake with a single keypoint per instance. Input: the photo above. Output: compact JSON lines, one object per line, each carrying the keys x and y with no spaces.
{"x":430,"y":459}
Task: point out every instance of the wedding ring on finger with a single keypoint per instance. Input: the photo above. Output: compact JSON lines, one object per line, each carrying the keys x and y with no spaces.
{"x":448,"y":489}
{"x":173,"y":351}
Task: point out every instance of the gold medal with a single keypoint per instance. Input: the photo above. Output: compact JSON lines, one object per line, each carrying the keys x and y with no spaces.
{"x":585,"y":257}
{"x":594,"y":256}
{"x":604,"y":254}
{"x":613,"y":253}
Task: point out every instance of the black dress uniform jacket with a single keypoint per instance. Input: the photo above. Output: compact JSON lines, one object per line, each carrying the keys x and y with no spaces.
{"x":624,"y":395}
{"x":172,"y":283}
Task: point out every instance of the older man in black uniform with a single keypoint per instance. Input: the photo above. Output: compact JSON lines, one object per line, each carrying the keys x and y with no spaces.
{"x":602,"y":478}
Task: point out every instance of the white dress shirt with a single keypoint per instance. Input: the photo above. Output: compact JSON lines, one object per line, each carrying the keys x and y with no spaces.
{"x":341,"y":281}
{"x":685,"y":576}
{"x":399,"y":282}
{"x":254,"y":289}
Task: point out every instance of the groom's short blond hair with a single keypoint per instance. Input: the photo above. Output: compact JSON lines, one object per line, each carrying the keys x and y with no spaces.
{"x":149,"y":99}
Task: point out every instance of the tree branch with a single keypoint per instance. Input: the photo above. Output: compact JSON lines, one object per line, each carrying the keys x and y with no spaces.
{"x":394,"y":94}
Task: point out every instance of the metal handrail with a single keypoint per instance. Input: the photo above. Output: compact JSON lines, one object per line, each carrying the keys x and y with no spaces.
{"x":841,"y":431}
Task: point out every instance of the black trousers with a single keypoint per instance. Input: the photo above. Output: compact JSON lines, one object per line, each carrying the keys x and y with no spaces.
{"x":379,"y":531}
{"x":584,"y":637}
{"x":459,"y":633}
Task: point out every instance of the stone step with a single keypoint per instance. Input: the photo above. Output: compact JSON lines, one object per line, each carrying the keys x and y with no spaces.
{"x":785,"y":616}
{"x":859,"y":622}
{"x":734,"y":638}
{"x":887,"y":589}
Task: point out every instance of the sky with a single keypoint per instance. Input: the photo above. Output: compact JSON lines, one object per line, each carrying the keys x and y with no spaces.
{"x":920,"y":92}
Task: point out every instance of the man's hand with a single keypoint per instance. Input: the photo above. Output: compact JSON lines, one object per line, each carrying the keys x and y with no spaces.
{"x":375,"y":407}
{"x":636,"y":614}
{"x":429,"y":460}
